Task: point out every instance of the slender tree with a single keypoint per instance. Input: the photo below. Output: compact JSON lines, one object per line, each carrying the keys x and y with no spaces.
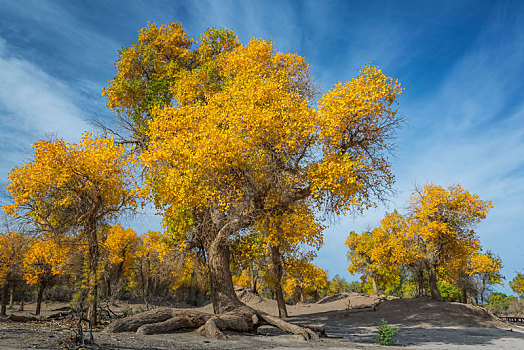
{"x":74,"y":189}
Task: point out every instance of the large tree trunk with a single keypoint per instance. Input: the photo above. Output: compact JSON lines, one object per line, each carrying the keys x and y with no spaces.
{"x":223,"y":294}
{"x":276,"y":262}
{"x":40,"y":297}
{"x":254,"y":277}
{"x":482,"y":291}
{"x":435,"y":294}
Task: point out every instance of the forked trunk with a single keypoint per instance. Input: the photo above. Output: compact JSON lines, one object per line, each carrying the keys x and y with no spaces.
{"x":276,"y":262}
{"x":223,"y":294}
{"x":435,"y":294}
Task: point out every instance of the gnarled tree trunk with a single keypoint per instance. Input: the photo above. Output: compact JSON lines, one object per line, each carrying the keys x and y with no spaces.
{"x":223,"y":294}
{"x":230,"y":312}
{"x":12,"y":295}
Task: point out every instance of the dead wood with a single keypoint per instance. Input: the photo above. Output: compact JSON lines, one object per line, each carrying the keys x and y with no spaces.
{"x":57,"y":315}
{"x":22,"y":318}
{"x":241,"y":319}
{"x":160,"y":315}
{"x":181,"y":321}
{"x":304,"y":332}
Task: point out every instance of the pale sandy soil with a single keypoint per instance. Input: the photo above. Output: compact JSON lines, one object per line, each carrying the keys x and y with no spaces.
{"x":349,"y":323}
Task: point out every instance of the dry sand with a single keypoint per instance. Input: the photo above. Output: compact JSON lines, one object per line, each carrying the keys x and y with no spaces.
{"x":348,"y":320}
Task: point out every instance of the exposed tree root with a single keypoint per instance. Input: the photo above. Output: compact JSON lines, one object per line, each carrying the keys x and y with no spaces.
{"x":161,"y":320}
{"x":241,"y":319}
{"x":304,"y":332}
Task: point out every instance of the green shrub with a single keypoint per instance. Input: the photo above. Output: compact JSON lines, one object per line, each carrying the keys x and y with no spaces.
{"x":386,"y":333}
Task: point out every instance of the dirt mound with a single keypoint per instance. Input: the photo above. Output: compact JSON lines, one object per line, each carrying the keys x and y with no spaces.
{"x":333,"y":298}
{"x":437,"y":313}
{"x":248,"y":297}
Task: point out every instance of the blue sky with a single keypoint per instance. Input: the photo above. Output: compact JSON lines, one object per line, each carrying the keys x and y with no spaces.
{"x":461,"y":63}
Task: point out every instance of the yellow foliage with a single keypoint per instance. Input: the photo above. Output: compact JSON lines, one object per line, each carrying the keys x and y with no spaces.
{"x":44,"y":259}
{"x":12,"y":247}
{"x":238,"y":116}
{"x":303,"y":278}
{"x":381,"y":252}
{"x":121,"y":246}
{"x":517,"y":284}
{"x":66,"y":184}
{"x":440,"y":227}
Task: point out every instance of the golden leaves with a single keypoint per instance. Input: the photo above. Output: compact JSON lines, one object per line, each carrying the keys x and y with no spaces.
{"x":44,"y":259}
{"x":65,"y":182}
{"x":436,"y":232}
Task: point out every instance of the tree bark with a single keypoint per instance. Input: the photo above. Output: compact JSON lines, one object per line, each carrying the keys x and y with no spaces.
{"x":92,"y":294}
{"x":464,"y":298}
{"x":12,"y":295}
{"x":4,"y":299}
{"x":254,"y":277}
{"x":40,"y":296}
{"x":223,"y":294}
{"x":276,"y":262}
{"x":482,"y":291}
{"x":374,"y":283}
{"x":435,"y":294}
{"x":421,"y":284}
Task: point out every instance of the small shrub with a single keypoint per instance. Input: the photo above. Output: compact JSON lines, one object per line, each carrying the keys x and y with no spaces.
{"x":386,"y":333}
{"x":127,"y":311}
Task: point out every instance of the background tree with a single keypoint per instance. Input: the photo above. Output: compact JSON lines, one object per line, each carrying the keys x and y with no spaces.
{"x":440,"y":229}
{"x":338,"y":285}
{"x":43,"y":260}
{"x":380,"y":253}
{"x":278,"y":249}
{"x":304,"y":279}
{"x":434,"y":241}
{"x":118,"y":257}
{"x":12,"y":248}
{"x":517,"y":284}
{"x":70,"y":189}
{"x":484,"y":271}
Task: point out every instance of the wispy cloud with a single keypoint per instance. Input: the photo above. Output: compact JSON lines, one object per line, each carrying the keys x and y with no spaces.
{"x":467,"y":130}
{"x":33,"y":104}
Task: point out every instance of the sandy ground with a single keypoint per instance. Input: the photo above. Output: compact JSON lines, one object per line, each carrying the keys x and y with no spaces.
{"x":349,"y":322}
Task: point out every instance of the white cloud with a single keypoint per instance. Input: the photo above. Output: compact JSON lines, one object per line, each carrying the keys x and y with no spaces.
{"x":33,"y":101}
